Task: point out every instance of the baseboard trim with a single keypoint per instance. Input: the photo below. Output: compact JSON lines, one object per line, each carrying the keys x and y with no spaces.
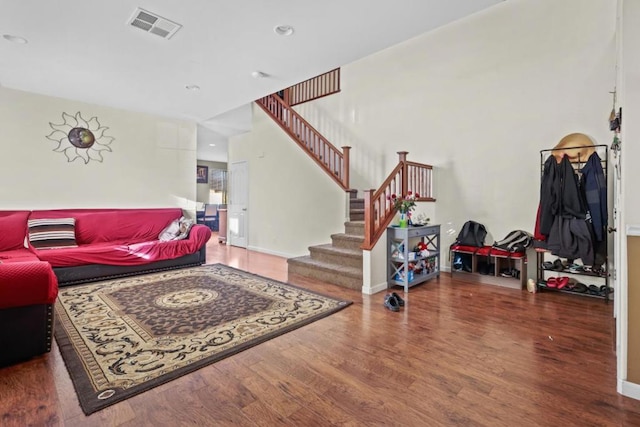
{"x":270,"y":252}
{"x":370,"y":290}
{"x":628,"y":389}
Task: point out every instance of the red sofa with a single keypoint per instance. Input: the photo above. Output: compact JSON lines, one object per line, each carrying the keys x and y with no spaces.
{"x":119,"y":242}
{"x":106,"y":243}
{"x":28,"y":290}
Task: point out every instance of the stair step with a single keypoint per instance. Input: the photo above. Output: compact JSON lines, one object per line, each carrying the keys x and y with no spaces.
{"x":339,"y":256}
{"x":348,"y":277}
{"x":356,"y":216}
{"x":354,"y":227}
{"x":356,"y":204}
{"x":347,"y":241}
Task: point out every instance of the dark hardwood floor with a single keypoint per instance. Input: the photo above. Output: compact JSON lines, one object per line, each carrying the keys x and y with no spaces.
{"x":457,"y":354}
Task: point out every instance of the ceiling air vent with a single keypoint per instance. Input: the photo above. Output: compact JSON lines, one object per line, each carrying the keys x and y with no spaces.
{"x":155,"y":24}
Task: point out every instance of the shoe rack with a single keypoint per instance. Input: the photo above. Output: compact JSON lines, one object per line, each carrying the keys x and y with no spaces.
{"x":595,"y":284}
{"x":491,"y":268}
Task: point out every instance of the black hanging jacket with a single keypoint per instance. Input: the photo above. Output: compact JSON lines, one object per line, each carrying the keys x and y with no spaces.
{"x":549,"y":196}
{"x":594,"y":186}
{"x":572,"y":203}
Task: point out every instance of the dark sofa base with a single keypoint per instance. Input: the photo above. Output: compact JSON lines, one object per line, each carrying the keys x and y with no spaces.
{"x":25,"y":332}
{"x":96,"y":272}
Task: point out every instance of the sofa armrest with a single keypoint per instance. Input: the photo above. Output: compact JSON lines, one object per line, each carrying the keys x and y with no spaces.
{"x":199,"y":235}
{"x":27,"y":283}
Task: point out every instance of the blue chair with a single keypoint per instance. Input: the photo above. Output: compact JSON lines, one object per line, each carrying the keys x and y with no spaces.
{"x":210,"y":217}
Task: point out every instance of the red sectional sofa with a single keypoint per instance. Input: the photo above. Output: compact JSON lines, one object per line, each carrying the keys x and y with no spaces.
{"x":118,"y":242}
{"x":104,"y":243}
{"x":28,"y":290}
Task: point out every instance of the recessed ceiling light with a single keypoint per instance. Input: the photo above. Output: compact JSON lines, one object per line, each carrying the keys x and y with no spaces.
{"x":283,"y":30}
{"x":15,"y":39}
{"x":212,"y":145}
{"x":192,"y":87}
{"x":258,"y":74}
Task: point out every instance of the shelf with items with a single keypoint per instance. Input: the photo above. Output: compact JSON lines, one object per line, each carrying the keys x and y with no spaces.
{"x":407,"y":267}
{"x":490,"y":266}
{"x":566,"y":276}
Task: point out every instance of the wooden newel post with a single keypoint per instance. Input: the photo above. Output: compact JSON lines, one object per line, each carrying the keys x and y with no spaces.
{"x":345,"y":166}
{"x":368,"y":218}
{"x":405,"y":180}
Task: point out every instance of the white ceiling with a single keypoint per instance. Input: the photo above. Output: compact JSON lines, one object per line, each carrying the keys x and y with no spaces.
{"x":87,"y":51}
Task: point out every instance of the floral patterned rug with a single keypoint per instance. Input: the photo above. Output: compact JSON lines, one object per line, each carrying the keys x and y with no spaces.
{"x":122,"y":337}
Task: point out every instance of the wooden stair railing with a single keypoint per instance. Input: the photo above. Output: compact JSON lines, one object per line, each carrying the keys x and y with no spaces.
{"x":325,"y":154}
{"x":314,"y":88}
{"x":378,"y":209}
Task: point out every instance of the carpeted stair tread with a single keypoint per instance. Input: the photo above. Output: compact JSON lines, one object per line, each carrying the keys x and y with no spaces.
{"x":346,"y":252}
{"x":351,"y":237}
{"x":337,"y":255}
{"x":356,"y":214}
{"x":305,"y":266}
{"x":349,"y":241}
{"x":307,"y":260}
{"x":354,"y":228}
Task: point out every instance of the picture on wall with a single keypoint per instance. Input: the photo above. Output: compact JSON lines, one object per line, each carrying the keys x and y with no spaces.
{"x":202,"y":174}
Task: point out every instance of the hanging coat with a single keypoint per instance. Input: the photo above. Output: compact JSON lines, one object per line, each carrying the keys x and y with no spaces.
{"x":594,"y":186}
{"x":571,"y":238}
{"x":549,"y":196}
{"x":572,"y":203}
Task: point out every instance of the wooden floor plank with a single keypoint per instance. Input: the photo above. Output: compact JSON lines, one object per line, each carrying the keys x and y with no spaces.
{"x":458,"y":353}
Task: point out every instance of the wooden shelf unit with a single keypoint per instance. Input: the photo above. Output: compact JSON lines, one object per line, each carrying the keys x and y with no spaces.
{"x":499,"y":259}
{"x":400,"y":242}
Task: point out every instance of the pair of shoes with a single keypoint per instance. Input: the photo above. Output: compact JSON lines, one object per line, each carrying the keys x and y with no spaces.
{"x":393,"y":301}
{"x":604,"y":291}
{"x":510,"y":273}
{"x":594,"y":290}
{"x":547,"y":265}
{"x":400,"y":300}
{"x":561,"y":282}
{"x":558,"y":265}
{"x":557,"y":282}
{"x":579,"y":288}
{"x":575,"y":268}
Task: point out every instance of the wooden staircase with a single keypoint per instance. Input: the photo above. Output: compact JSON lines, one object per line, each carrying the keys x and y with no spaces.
{"x":339,"y":262}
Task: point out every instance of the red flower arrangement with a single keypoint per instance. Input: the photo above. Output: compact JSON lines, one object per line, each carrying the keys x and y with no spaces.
{"x":404,"y":204}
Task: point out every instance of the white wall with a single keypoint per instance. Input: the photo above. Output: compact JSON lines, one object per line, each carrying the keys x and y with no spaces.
{"x":292,"y":203}
{"x":478,"y":100}
{"x":631,"y":109}
{"x":628,"y":298}
{"x":152,"y":163}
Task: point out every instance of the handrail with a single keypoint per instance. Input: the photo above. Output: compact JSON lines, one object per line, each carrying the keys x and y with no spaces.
{"x":378,"y":209}
{"x":313,"y":88}
{"x":325,"y":154}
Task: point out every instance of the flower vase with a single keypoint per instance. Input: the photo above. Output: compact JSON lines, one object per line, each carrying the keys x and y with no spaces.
{"x":404,"y":221}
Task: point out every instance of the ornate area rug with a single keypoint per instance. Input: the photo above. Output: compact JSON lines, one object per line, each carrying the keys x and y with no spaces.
{"x":121,"y":337}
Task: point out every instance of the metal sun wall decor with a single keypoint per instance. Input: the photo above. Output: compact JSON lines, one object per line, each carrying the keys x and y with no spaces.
{"x":80,"y":138}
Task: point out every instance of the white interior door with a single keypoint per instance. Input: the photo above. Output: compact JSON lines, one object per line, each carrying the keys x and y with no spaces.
{"x":237,"y":214}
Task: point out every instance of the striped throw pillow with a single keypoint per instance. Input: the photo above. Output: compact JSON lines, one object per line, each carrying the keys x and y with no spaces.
{"x":52,"y":233}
